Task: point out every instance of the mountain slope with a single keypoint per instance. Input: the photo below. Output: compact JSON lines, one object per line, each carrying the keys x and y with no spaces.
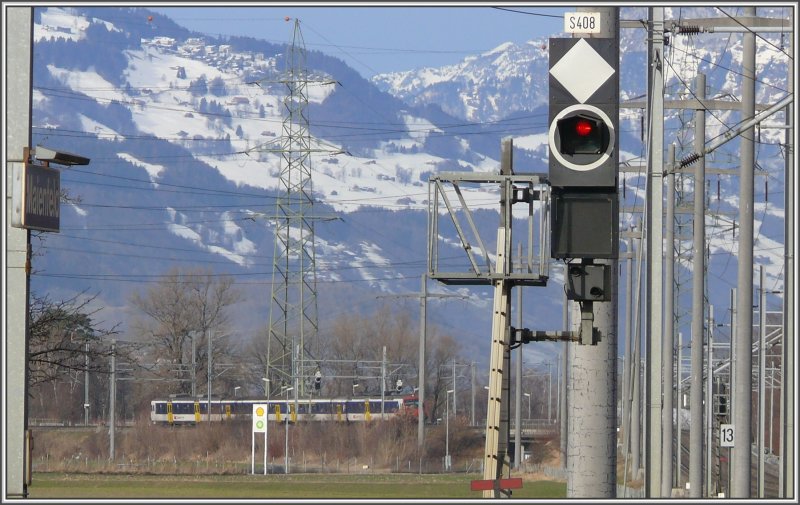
{"x":183,"y":132}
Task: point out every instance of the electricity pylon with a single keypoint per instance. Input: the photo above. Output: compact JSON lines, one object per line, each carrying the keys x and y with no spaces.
{"x":293,"y":324}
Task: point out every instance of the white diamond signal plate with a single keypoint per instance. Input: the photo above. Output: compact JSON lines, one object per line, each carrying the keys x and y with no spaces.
{"x":582,"y":71}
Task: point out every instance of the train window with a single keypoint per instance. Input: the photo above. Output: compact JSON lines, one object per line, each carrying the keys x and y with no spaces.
{"x":321,"y":408}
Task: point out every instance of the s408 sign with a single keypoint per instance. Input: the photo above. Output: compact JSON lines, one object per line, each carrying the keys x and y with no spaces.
{"x":582,"y":22}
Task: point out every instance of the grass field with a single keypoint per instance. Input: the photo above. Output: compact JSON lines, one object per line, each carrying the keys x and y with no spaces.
{"x":293,"y":486}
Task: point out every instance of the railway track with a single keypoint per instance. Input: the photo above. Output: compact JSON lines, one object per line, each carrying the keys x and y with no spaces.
{"x":721,"y":463}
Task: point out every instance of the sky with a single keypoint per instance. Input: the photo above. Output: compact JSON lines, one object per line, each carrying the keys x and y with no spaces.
{"x":379,"y":38}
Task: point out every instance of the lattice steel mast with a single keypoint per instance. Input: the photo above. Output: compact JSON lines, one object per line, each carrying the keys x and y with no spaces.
{"x":293,"y":324}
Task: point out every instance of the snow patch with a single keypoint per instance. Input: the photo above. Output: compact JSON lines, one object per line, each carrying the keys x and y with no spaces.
{"x":81,"y":80}
{"x":154,"y":171}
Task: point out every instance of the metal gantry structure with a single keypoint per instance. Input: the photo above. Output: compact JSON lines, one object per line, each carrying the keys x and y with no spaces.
{"x":482,"y":268}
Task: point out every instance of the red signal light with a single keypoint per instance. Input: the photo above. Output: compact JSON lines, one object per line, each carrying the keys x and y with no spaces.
{"x":583,"y":127}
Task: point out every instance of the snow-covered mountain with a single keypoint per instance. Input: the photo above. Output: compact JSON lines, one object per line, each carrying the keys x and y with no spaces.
{"x":485,"y":87}
{"x":183,"y":128}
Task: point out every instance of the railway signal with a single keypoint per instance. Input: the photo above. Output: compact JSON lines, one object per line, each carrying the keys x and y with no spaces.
{"x":584,"y":113}
{"x":584,"y":147}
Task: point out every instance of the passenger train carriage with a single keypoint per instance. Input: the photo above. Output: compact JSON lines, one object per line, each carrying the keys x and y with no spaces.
{"x":188,"y":410}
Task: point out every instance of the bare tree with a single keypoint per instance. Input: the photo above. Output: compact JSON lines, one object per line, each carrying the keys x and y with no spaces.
{"x":64,"y":338}
{"x":442,"y":350}
{"x":185,"y":305}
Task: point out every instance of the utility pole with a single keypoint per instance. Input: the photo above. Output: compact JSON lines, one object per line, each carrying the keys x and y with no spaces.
{"x":496,"y":272}
{"x":636,"y":367}
{"x":762,"y":364}
{"x":669,"y":333}
{"x":562,"y":416}
{"x":383,"y":383}
{"x":786,"y":470}
{"x":709,"y":411}
{"x":472,"y":384}
{"x":496,"y":442}
{"x":655,"y":275}
{"x":86,"y":385}
{"x":732,"y":383}
{"x":628,"y":356}
{"x":18,"y":54}
{"x":208,"y":395}
{"x":679,"y":402}
{"x":193,"y":335}
{"x":698,"y":296}
{"x":518,"y":382}
{"x":454,"y":387}
{"x":423,"y":337}
{"x":112,"y":402}
{"x":592,"y":377}
{"x":744,"y":300}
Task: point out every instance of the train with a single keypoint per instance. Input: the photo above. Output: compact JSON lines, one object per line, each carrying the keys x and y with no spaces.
{"x":187,"y":410}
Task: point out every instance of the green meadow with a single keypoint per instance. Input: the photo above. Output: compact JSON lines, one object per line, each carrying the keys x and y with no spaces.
{"x":51,"y":486}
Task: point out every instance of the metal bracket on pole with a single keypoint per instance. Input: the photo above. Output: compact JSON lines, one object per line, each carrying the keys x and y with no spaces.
{"x":521,"y":336}
{"x":587,"y":320}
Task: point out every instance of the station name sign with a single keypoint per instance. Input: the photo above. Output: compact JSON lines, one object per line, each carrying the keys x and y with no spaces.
{"x":36,"y":195}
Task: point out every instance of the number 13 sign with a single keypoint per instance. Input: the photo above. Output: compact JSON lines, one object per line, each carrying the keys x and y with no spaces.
{"x":726,"y":435}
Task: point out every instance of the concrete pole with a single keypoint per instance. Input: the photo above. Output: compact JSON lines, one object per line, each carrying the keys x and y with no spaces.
{"x":786,"y":471}
{"x":564,"y":371}
{"x":655,"y":275}
{"x":550,"y":391}
{"x":423,"y":304}
{"x":86,"y":385}
{"x":698,"y":296}
{"x":762,"y":364}
{"x":383,"y":383}
{"x":518,"y":381}
{"x":447,"y":429}
{"x":669,"y":332}
{"x":208,"y":397}
{"x":744,"y":311}
{"x":286,"y":435}
{"x":679,"y":401}
{"x":18,"y":50}
{"x":771,"y":396}
{"x":709,"y":424}
{"x":194,"y":364}
{"x":591,"y":412}
{"x":636,"y":376}
{"x":455,"y":410}
{"x":626,"y":359}
{"x":558,"y":390}
{"x":112,"y":402}
{"x":472,"y":384}
{"x":732,"y":386}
